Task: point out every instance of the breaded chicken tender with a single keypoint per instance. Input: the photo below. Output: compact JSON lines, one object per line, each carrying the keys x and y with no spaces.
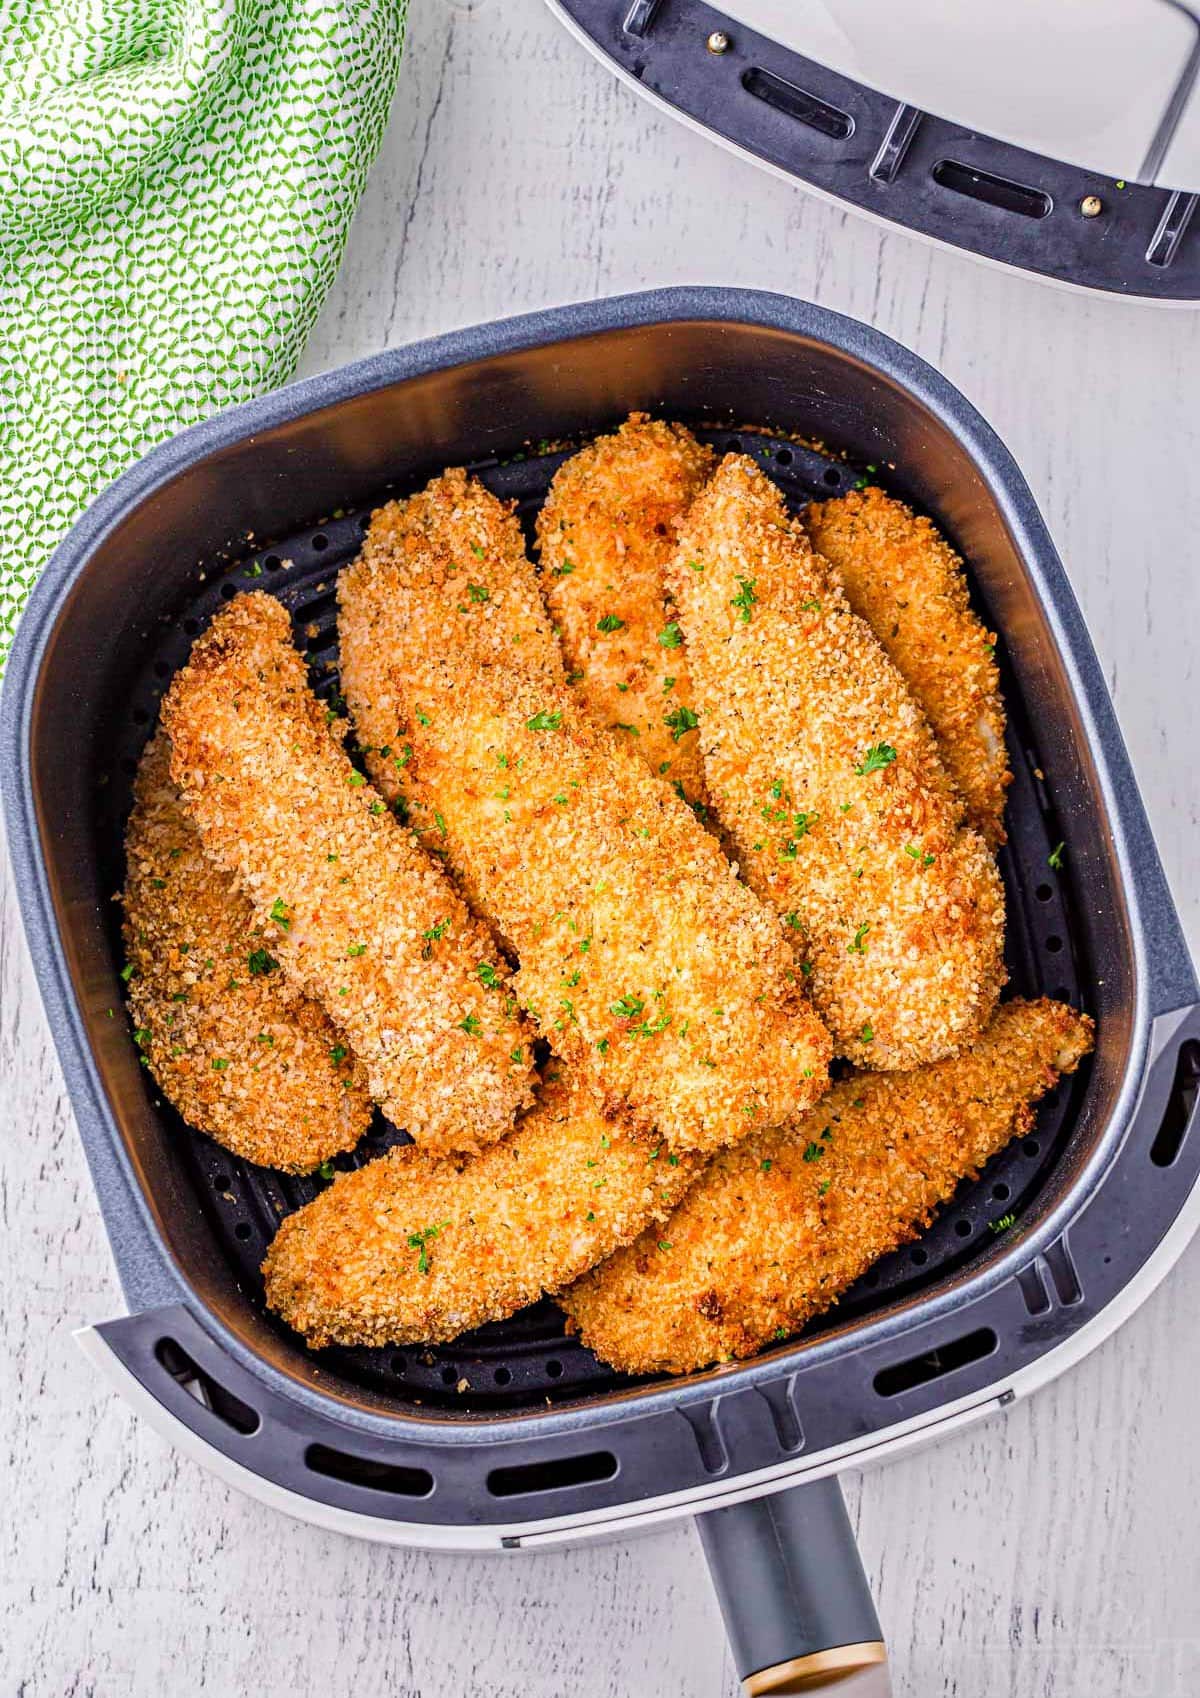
{"x":242,"y":1054}
{"x":826,"y":776}
{"x":606,"y":535}
{"x":355,"y":912}
{"x":905,"y":580}
{"x":416,"y":1248}
{"x":486,"y":581}
{"x":775,"y":1230}
{"x":642,"y":957}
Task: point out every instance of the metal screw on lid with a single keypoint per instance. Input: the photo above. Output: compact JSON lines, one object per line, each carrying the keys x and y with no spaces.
{"x":719,"y":42}
{"x":1091,"y":206}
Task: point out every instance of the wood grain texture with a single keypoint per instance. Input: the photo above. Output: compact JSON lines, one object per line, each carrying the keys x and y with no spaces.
{"x":1051,"y":1554}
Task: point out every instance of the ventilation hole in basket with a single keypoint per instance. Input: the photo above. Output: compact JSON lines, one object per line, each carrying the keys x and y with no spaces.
{"x":365,"y":1471}
{"x":502,"y":1376}
{"x":209,"y":1393}
{"x":449,"y":1376}
{"x":220,"y":1181}
{"x":932,"y":1364}
{"x":242,"y":1231}
{"x":1181,"y":1104}
{"x":832,"y":477}
{"x":399,"y":1364}
{"x":552,"y":1475}
{"x":320,"y":541}
{"x":272,"y":563}
{"x":920,"y":1257}
{"x":1062,"y":994}
{"x":963,"y":1228}
{"x":1001,"y":1193}
{"x":783,"y":457}
{"x":1054,"y":944}
{"x":1031,"y":1147}
{"x":1045,"y":892}
{"x":733,"y":445}
{"x":554,"y":1368}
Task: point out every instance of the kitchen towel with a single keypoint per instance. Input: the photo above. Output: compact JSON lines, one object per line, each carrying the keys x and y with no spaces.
{"x":176,"y":181}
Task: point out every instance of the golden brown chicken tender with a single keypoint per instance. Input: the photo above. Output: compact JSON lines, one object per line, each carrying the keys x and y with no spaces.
{"x":606,"y":534}
{"x":826,"y":776}
{"x":353,"y":909}
{"x":775,"y":1230}
{"x":488,"y":585}
{"x":906,"y":581}
{"x":242,"y":1054}
{"x":416,"y":1248}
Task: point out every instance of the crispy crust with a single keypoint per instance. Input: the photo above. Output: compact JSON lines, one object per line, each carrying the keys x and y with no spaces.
{"x":897,"y":907}
{"x":486,"y":593}
{"x":354,"y":910}
{"x":242,"y":1054}
{"x":776,"y":1229}
{"x":527,"y":1215}
{"x":905,"y":580}
{"x":605,"y":536}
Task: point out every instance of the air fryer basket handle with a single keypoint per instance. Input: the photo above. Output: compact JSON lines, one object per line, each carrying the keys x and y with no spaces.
{"x":795,"y":1599}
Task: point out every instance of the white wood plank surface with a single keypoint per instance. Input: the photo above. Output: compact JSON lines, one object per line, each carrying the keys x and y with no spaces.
{"x":1051,"y":1554}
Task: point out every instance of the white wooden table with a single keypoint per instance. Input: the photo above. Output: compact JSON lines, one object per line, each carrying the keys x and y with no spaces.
{"x":1054,"y":1552}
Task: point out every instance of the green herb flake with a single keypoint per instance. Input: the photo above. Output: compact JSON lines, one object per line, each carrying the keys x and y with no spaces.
{"x":471,"y":1026}
{"x":219,"y":1064}
{"x":609,"y":622}
{"x":355,"y":950}
{"x":1003,"y":1224}
{"x":681,"y":720}
{"x":627,"y":1007}
{"x":544,"y":721}
{"x":745,"y":599}
{"x":478,"y":592}
{"x":355,"y":780}
{"x":487,"y":974}
{"x":280,"y":914}
{"x":261,"y":961}
{"x":1055,"y":857}
{"x":813,"y":1152}
{"x":670,"y":637}
{"x":867,"y":1035}
{"x":420,"y":1242}
{"x":858,"y":947}
{"x":876,"y":758}
{"x":915,"y":854}
{"x":326,"y":1169}
{"x":129,"y":970}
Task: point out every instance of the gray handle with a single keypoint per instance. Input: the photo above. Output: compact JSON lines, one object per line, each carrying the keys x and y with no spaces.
{"x":796,"y":1603}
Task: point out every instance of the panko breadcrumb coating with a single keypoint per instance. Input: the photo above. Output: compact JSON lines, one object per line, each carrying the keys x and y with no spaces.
{"x":417,"y":1248}
{"x":905,"y":580}
{"x":484,"y":580}
{"x":826,"y":776}
{"x":606,"y":535}
{"x":775,"y":1230}
{"x":356,"y":913}
{"x":642,"y":957}
{"x":242,"y":1054}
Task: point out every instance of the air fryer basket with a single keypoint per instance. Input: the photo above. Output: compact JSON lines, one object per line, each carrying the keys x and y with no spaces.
{"x":540,"y":1440}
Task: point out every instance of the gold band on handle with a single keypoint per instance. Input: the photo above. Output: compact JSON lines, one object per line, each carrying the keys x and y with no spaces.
{"x":819,"y":1669}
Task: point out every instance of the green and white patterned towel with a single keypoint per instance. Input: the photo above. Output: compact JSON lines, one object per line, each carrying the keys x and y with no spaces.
{"x":176,"y":179}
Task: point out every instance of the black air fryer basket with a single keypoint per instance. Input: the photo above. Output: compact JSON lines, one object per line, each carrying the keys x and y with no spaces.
{"x":516,"y":1436}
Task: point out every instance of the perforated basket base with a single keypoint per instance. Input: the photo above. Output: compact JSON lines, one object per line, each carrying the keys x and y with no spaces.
{"x":529,"y":1360}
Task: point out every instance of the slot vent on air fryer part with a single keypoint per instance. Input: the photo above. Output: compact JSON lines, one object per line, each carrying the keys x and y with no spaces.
{"x":798,"y":103}
{"x":1181,"y":1106}
{"x":1177,"y":215}
{"x":365,"y":1471}
{"x":933,"y":1364}
{"x":1064,"y":1275}
{"x":209,"y":1393}
{"x":992,"y":190}
{"x":552,"y":1475}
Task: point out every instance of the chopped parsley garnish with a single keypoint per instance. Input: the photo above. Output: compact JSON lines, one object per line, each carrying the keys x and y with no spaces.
{"x":1055,"y":857}
{"x":326,"y":1169}
{"x":403,"y":758}
{"x":476,"y":551}
{"x":261,"y":961}
{"x":338,"y":1054}
{"x":375,"y":808}
{"x":823,"y":1187}
{"x":745,"y":599}
{"x":562,"y":571}
{"x":439,"y":822}
{"x":487,"y":974}
{"x":681,"y":720}
{"x":632,"y":729}
{"x":695,"y":566}
{"x":628,"y":1007}
{"x":280,"y":914}
{"x":867,"y":1035}
{"x":471,"y":1026}
{"x":355,"y":779}
{"x":664,"y":1244}
{"x":916,"y":854}
{"x":876,"y":758}
{"x":129,"y":970}
{"x":1003,"y":1224}
{"x":423,"y":718}
{"x":858,"y":947}
{"x":670,"y":637}
{"x":356,"y":949}
{"x":609,"y":622}
{"x":478,"y":592}
{"x":432,"y":936}
{"x":219,"y":1065}
{"x":766,"y":1165}
{"x":420,"y":1241}
{"x":812,"y":606}
{"x":544,"y":722}
{"x":793,"y":920}
{"x":813,"y":1152}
